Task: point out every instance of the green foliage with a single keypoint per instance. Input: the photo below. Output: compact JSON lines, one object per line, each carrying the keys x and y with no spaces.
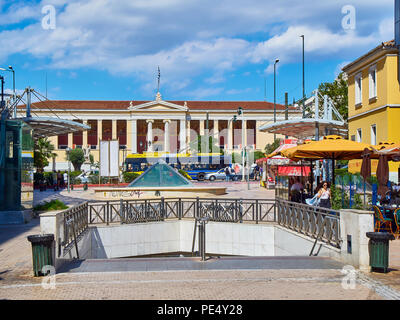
{"x":129,"y":176}
{"x":199,"y":145}
{"x":51,"y":206}
{"x":336,"y":198}
{"x":357,"y":202}
{"x":271,"y":147}
{"x":257,"y":155}
{"x":373,"y":180}
{"x":337,"y":91}
{"x":77,"y":158}
{"x":236,"y":157}
{"x":43,"y":151}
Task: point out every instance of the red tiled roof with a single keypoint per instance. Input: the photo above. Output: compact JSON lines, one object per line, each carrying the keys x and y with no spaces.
{"x":123,"y":105}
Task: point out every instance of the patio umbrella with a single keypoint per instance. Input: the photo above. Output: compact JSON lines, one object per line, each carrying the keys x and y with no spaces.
{"x":330,"y":147}
{"x":382,"y":173}
{"x":366,"y":163}
{"x":366,"y":166}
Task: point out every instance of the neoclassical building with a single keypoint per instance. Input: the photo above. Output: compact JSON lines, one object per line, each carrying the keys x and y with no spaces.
{"x":158,"y":125}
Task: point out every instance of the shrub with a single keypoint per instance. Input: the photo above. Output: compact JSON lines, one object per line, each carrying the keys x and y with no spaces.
{"x":130,"y":176}
{"x":51,"y":206}
{"x":357,"y":202}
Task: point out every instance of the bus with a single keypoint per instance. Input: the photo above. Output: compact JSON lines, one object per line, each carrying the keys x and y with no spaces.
{"x":196,"y":166}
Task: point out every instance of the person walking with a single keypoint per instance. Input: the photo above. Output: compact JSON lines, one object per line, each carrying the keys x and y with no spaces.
{"x":324,"y":195}
{"x":227,"y":174}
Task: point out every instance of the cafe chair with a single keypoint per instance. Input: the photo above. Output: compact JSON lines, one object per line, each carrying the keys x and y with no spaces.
{"x":396,"y":215}
{"x":381,"y":222}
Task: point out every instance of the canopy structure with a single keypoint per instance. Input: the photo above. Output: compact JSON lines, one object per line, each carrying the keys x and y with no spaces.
{"x":160,"y":175}
{"x":304,"y":128}
{"x":49,"y":126}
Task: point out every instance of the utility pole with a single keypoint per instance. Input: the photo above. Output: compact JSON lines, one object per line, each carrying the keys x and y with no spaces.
{"x":276,"y":61}
{"x":304,"y":92}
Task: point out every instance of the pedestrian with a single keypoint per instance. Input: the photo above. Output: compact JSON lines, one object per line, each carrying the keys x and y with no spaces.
{"x":65,"y":179}
{"x":55,"y":180}
{"x":324,"y":196}
{"x":227,"y":174}
{"x":59,"y":180}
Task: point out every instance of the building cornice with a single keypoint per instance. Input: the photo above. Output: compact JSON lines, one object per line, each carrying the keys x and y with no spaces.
{"x":374,"y":110}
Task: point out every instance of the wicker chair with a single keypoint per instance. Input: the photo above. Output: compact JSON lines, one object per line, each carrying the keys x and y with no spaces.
{"x":381,"y":222}
{"x":396,"y":215}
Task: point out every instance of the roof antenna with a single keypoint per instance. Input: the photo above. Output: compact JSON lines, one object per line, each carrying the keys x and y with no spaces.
{"x":159,"y":77}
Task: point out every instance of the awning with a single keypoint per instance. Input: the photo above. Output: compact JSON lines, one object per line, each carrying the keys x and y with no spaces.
{"x":48,"y":126}
{"x":294,"y":171}
{"x":304,"y":128}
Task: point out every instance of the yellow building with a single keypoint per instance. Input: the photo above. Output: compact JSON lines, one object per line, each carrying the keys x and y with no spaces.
{"x":374,"y":99}
{"x":159,"y":125}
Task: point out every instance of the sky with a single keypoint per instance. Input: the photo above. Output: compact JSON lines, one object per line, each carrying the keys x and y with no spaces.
{"x":206,"y":50}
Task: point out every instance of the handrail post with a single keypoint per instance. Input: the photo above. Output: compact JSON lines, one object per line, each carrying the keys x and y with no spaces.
{"x":256,"y":211}
{"x":180,"y":208}
{"x":108,"y":213}
{"x":162,"y":209}
{"x":197,"y":213}
{"x":121,"y":211}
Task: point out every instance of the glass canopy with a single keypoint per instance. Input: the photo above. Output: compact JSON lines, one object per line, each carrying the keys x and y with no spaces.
{"x":160,"y":175}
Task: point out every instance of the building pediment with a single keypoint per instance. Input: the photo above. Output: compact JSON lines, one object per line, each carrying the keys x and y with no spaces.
{"x":158,"y":105}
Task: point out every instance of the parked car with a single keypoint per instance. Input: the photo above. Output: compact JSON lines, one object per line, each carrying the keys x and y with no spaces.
{"x":219,"y":175}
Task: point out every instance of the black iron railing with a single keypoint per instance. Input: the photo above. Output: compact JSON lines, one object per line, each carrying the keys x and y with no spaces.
{"x":224,"y":210}
{"x":318,"y":223}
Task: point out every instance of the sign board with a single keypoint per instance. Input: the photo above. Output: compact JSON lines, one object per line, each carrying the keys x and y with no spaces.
{"x":109,"y":158}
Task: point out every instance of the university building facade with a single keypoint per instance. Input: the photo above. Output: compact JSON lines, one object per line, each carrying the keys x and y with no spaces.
{"x":160,"y":126}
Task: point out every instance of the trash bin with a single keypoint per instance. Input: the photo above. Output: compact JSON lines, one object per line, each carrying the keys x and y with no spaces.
{"x":378,"y":248}
{"x":41,"y":252}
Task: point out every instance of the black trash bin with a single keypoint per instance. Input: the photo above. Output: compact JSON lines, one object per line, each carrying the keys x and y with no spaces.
{"x":378,"y":248}
{"x":41,"y":252}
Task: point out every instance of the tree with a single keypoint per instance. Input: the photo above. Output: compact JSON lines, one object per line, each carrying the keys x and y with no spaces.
{"x":199,"y":145}
{"x":77,"y":158}
{"x":271,"y":147}
{"x":43,"y":151}
{"x":337,"y":91}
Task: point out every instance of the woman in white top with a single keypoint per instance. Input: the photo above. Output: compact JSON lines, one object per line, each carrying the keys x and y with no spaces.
{"x":324,"y":195}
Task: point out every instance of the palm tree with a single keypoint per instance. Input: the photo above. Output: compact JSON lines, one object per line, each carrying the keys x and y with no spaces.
{"x":42,"y":152}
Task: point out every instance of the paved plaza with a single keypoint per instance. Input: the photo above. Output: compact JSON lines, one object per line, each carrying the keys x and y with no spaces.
{"x":187,"y":278}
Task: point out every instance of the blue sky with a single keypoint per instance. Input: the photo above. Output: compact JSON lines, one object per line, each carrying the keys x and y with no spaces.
{"x":206,"y":50}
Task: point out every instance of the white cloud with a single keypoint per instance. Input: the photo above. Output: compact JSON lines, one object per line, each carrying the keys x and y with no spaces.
{"x":190,"y":38}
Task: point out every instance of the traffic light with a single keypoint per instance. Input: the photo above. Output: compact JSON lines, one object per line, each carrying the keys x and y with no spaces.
{"x":240,"y":110}
{"x":235,"y":118}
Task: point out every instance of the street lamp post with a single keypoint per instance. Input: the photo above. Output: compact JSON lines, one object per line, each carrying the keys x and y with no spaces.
{"x":276,"y":61}
{"x":10,"y":69}
{"x":304,"y":94}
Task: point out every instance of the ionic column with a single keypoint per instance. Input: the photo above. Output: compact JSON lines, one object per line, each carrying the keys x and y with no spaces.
{"x":166,"y":135}
{"x":230,"y":135}
{"x":134,"y":136}
{"x":150,"y":135}
{"x":216,"y":131}
{"x":201,"y":127}
{"x":70,"y":139}
{"x":99,"y":132}
{"x":114,"y":130}
{"x":85,"y":135}
{"x":182,"y":134}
